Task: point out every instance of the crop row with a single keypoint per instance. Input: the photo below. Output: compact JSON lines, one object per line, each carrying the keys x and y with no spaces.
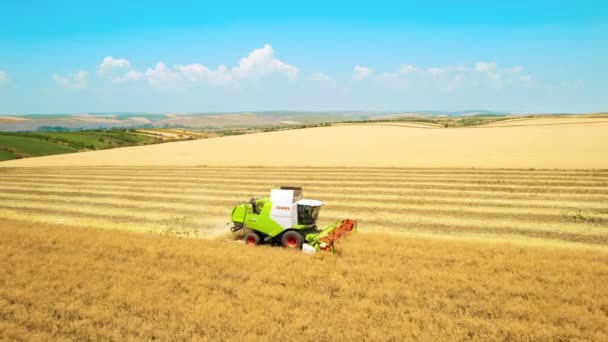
{"x":351,"y":178}
{"x":544,"y":207}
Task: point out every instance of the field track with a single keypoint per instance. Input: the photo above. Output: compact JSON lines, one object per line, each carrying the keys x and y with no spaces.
{"x":567,"y":207}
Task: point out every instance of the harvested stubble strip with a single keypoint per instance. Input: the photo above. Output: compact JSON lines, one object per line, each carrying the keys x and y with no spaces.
{"x":506,"y":233}
{"x":148,"y":194}
{"x":395,"y":220}
{"x":214,"y":219}
{"x":110,"y":212}
{"x":345,"y":185}
{"x":420,"y":213}
{"x":553,"y":181}
{"x":523,"y":213}
{"x":303,"y":179}
{"x":442,"y":195}
{"x":361,"y":176}
{"x":68,"y":283}
{"x":262,"y":173}
{"x":44,"y":217}
{"x":213,"y":226}
{"x":312,"y":170}
{"x":205,"y":227}
{"x":410,"y":209}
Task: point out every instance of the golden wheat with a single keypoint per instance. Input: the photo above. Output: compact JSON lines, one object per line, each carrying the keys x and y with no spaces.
{"x":70,"y":283}
{"x":503,"y":253}
{"x":567,"y":146}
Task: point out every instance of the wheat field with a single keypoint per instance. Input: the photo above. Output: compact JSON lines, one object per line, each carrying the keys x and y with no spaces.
{"x":532,"y":121}
{"x":561,"y":146}
{"x":67,"y":283}
{"x":560,"y":207}
{"x":497,"y":234}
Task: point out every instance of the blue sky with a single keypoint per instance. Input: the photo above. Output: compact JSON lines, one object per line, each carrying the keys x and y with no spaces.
{"x":178,"y":56}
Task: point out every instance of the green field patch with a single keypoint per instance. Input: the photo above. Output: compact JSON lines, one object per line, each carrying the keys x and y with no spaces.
{"x":33,"y":146}
{"x":15,"y":145}
{"x":6,"y":155}
{"x":96,"y":139}
{"x":76,"y":139}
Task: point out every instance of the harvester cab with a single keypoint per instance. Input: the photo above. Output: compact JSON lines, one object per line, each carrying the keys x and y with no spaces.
{"x":286,"y":218}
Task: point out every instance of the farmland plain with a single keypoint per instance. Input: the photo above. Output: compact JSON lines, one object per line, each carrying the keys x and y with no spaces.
{"x":497,"y":233}
{"x":563,"y":146}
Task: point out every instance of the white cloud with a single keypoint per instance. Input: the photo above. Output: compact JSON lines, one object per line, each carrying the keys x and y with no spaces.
{"x":408,"y":68}
{"x":576,"y":84}
{"x":118,"y":70}
{"x":515,"y":70}
{"x":3,"y":77}
{"x":485,"y":66}
{"x":454,"y":82}
{"x":200,"y":73}
{"x":399,"y":79}
{"x":321,"y":77}
{"x":526,"y":80}
{"x":193,"y":72}
{"x":74,"y":81}
{"x":161,"y":76}
{"x":110,"y":63}
{"x":435,"y":71}
{"x":448,"y":78}
{"x":494,"y":76}
{"x":131,"y":75}
{"x":323,"y":81}
{"x":256,"y":65}
{"x":498,"y":77}
{"x":164,"y":77}
{"x":361,"y":72}
{"x":261,"y":62}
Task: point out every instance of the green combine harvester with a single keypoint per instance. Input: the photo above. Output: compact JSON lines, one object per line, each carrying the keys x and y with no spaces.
{"x":287,"y":219}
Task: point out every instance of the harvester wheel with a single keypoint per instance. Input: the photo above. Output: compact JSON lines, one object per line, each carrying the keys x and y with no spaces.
{"x":252,"y":239}
{"x":292,"y":239}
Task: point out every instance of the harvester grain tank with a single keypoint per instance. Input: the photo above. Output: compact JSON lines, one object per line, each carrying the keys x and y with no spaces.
{"x":286,"y":218}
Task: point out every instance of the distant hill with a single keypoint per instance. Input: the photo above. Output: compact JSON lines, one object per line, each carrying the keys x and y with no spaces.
{"x":211,"y":121}
{"x":67,"y":122}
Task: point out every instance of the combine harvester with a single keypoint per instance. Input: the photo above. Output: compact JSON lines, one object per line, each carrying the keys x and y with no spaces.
{"x":287,"y":219}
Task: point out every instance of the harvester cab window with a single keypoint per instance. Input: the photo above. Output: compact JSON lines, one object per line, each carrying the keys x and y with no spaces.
{"x":307,"y":214}
{"x":256,"y":205}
